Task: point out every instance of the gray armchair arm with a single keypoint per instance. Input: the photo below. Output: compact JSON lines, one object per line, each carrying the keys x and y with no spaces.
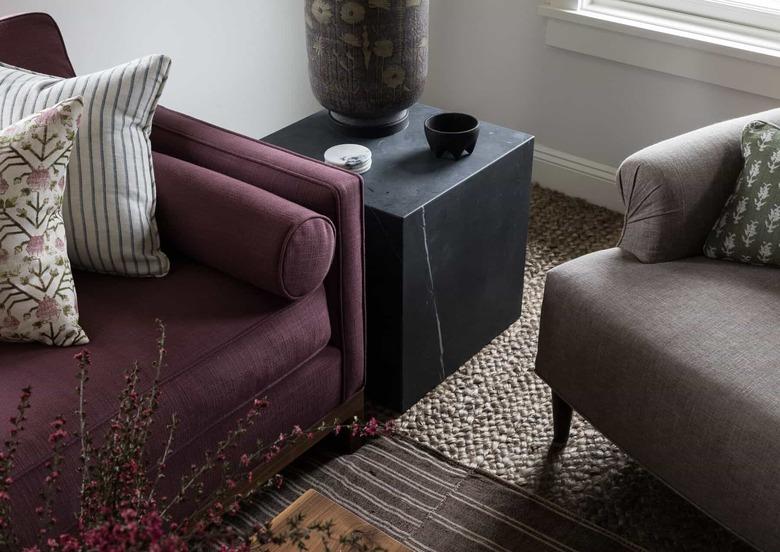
{"x":674,"y":190}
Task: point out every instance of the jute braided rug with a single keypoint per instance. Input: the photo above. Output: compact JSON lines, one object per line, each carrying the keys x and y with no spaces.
{"x":494,"y":413}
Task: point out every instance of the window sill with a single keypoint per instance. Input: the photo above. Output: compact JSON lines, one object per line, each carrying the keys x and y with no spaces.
{"x":685,"y":50}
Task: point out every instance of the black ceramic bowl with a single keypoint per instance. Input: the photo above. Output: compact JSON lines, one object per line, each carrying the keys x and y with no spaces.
{"x":455,"y":133}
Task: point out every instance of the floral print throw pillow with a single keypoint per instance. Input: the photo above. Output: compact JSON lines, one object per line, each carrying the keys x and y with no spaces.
{"x":748,"y":229}
{"x":37,"y":293}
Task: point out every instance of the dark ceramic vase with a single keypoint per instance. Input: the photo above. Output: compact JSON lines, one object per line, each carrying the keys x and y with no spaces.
{"x":368,"y":60}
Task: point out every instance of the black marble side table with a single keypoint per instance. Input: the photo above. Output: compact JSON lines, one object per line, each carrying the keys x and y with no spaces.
{"x":445,"y":248}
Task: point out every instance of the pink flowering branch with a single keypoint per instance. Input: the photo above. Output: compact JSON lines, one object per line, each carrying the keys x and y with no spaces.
{"x":8,"y":538}
{"x":84,"y":360}
{"x":171,"y":427}
{"x":118,"y":497}
{"x":51,"y":485}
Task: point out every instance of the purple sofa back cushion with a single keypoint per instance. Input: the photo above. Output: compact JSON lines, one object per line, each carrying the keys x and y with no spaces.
{"x":33,"y":41}
{"x":242,"y":230}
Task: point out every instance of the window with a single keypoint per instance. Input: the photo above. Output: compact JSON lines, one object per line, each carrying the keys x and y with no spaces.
{"x":754,"y":15}
{"x":731,"y":43}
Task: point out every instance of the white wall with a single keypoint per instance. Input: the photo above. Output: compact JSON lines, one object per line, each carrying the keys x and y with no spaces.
{"x":242,"y":64}
{"x":237,"y":63}
{"x":488,"y":57}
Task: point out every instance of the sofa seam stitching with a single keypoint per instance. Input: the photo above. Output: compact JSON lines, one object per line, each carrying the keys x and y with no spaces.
{"x":283,"y":255}
{"x":321,"y":183}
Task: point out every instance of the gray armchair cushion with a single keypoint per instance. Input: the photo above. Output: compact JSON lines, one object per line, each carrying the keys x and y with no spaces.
{"x":675,"y":190}
{"x":678,"y":364}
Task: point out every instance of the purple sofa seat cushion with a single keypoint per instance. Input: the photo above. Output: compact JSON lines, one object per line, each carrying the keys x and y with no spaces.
{"x":227,"y":342}
{"x":302,"y":398}
{"x":242,"y":230}
{"x":329,"y":191}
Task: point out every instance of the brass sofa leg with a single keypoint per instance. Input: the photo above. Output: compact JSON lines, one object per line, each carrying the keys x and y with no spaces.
{"x":561,"y":420}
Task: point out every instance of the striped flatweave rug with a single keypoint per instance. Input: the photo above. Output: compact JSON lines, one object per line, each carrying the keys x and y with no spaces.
{"x":433,"y":504}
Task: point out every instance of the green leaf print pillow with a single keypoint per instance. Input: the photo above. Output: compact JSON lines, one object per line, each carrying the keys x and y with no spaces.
{"x":748,"y":230}
{"x":37,"y":291}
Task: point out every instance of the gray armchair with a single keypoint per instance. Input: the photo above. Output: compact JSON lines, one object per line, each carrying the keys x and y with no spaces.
{"x":673,"y":356}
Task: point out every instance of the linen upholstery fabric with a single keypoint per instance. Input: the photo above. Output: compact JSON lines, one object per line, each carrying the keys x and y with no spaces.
{"x":209,"y":385}
{"x":331,"y":192}
{"x":33,"y":41}
{"x":259,"y":344}
{"x":110,"y":202}
{"x":674,"y":191}
{"x":677,"y":363}
{"x":249,"y":233}
{"x":335,"y":194}
{"x":748,"y":229}
{"x":37,"y":292}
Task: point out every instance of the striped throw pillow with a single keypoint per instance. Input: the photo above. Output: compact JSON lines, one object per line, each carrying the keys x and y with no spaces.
{"x":110,"y":200}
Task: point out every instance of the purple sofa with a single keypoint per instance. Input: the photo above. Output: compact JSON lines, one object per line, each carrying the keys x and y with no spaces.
{"x":264,"y":298}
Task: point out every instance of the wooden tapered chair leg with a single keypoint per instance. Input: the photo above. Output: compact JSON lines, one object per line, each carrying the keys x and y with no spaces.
{"x":561,"y":420}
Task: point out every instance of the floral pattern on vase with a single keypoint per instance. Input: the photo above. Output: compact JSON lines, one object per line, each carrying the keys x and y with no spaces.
{"x":37,"y":292}
{"x":368,"y":59}
{"x":748,"y":229}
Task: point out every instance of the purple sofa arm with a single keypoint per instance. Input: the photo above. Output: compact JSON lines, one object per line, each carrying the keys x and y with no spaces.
{"x":333,"y":193}
{"x":242,"y":230}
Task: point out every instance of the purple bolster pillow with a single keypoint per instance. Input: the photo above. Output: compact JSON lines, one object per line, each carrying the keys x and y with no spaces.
{"x":242,"y":230}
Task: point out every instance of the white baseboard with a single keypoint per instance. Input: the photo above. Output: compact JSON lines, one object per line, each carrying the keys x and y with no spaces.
{"x":577,"y":177}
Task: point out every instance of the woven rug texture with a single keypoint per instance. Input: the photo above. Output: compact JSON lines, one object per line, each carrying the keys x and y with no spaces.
{"x":494,"y":412}
{"x":432,"y":504}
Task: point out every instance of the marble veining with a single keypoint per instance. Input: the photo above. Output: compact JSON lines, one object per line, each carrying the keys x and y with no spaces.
{"x":445,"y":248}
{"x":432,"y":291}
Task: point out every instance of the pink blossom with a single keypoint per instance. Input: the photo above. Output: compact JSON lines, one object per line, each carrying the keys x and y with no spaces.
{"x":48,"y":116}
{"x":52,"y":476}
{"x":129,"y":518}
{"x":38,"y":178}
{"x":389,"y":427}
{"x":57,"y":435}
{"x":278,"y":481}
{"x":371,"y":428}
{"x":59,"y":244}
{"x":35,"y":245}
{"x":47,"y":309}
{"x":10,"y":323}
